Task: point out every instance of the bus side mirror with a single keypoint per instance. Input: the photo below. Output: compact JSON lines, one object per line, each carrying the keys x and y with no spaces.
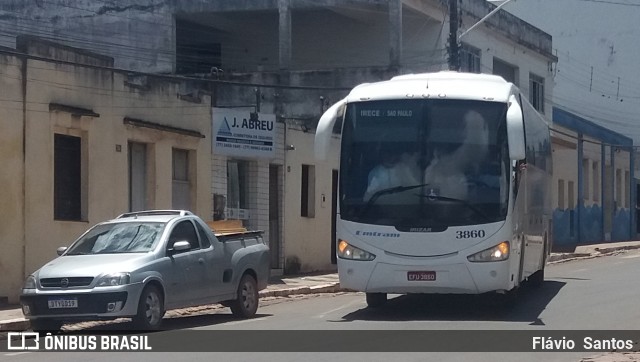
{"x":515,"y":130}
{"x":325,"y":130}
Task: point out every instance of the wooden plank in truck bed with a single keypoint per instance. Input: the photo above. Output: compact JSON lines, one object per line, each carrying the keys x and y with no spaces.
{"x":227,"y":227}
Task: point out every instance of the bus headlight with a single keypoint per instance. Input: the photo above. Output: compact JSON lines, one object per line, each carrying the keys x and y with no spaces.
{"x":346,"y":251}
{"x":497,"y":253}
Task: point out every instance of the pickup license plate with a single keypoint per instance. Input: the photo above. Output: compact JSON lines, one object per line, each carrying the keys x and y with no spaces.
{"x":418,"y":276}
{"x":63,"y":303}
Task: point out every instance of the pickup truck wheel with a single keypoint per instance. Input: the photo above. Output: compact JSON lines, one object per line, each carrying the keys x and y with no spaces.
{"x":246,"y":303}
{"x":150,"y":309}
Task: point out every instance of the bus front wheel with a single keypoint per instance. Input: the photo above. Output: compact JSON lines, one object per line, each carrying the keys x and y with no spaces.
{"x":375,"y":300}
{"x":537,"y":279}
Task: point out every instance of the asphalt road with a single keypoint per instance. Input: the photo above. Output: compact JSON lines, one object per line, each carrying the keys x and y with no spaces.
{"x":592,"y":294}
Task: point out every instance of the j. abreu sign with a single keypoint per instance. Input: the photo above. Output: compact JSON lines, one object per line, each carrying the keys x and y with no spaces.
{"x":243,"y":133}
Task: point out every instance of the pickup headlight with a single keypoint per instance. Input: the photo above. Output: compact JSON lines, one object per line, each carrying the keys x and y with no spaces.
{"x":499,"y":252}
{"x":111,"y":280}
{"x":29,"y":283}
{"x":346,"y":251}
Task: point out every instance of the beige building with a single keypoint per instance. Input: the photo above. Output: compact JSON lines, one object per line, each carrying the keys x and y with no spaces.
{"x":81,"y":143}
{"x":311,"y":204}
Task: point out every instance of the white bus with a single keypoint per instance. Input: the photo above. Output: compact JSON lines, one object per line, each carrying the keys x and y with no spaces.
{"x":444,"y":186}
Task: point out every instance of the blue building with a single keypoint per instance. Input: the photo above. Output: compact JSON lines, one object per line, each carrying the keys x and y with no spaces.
{"x":594,"y":189}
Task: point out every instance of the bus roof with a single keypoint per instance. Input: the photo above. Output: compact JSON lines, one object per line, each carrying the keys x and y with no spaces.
{"x":441,"y":85}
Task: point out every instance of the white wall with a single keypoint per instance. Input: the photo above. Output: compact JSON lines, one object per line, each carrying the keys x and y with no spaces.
{"x":309,"y":238}
{"x":492,"y":45}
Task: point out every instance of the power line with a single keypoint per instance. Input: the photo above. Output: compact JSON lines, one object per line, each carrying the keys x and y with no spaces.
{"x":610,"y":2}
{"x":607,"y":117}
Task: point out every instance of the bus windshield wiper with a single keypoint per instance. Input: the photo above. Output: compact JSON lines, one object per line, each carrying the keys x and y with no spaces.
{"x":459,"y":201}
{"x":387,"y":191}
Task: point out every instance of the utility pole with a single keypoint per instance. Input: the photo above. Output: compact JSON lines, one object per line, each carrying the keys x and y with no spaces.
{"x":454,"y":50}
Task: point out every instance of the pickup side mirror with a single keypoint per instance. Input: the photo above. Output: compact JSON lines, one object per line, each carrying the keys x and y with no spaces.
{"x":325,"y":129}
{"x":515,"y":130}
{"x":61,"y":250}
{"x":179,"y":246}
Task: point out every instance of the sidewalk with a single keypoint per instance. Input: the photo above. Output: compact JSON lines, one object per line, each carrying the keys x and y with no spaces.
{"x":12,"y":319}
{"x":593,"y":250}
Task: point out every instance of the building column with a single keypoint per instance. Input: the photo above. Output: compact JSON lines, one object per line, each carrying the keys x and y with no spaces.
{"x":395,"y":33}
{"x":284,"y":34}
{"x":613,"y":188}
{"x":603,"y":194}
{"x":632,"y":194}
{"x":580,"y":203}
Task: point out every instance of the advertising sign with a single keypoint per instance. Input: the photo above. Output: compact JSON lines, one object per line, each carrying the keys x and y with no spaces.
{"x":243,"y":133}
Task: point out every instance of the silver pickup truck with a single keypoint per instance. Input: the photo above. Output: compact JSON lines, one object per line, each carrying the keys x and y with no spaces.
{"x":143,"y":263}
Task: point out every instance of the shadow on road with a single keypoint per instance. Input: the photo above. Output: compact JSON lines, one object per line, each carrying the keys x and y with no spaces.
{"x":527,"y":307}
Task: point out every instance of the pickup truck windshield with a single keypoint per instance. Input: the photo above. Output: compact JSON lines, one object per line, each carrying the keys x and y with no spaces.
{"x":126,"y":237}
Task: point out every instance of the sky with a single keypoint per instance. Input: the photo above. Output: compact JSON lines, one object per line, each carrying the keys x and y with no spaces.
{"x":597,"y":45}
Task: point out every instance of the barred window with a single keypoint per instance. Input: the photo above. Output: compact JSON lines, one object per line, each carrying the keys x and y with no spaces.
{"x":536,"y":92}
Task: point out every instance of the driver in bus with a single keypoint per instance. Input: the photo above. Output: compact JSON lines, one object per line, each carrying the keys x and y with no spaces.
{"x":396,"y":169}
{"x":448,"y":169}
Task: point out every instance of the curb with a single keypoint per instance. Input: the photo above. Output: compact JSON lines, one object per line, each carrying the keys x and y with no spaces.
{"x":564,"y":257}
{"x":620,"y":248}
{"x":18,"y":324}
{"x":558,"y":258}
{"x":323,"y":288}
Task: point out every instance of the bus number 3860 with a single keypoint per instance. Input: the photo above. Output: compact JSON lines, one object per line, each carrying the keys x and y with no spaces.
{"x":467,"y":234}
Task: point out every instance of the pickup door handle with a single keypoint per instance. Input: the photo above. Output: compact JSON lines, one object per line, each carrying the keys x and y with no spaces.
{"x":201,"y":261}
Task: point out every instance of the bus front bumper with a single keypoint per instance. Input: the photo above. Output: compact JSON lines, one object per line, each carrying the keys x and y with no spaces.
{"x":452,"y":277}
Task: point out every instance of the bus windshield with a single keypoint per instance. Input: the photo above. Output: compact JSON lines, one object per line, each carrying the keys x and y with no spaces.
{"x":423,"y":164}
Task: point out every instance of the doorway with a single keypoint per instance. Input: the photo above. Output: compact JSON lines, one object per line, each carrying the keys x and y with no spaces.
{"x":275,"y":236}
